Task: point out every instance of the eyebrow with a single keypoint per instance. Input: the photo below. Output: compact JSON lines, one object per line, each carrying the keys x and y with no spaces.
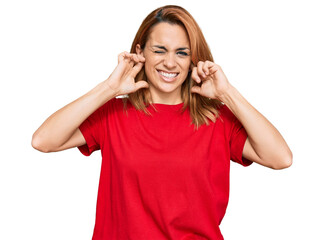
{"x":164,"y":48}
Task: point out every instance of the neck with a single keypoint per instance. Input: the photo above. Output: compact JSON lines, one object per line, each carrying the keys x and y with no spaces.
{"x":166,"y":98}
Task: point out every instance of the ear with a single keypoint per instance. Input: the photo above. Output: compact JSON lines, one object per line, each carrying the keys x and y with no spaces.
{"x":139,"y":50}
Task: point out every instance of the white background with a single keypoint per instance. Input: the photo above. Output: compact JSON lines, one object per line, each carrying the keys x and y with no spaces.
{"x":52,"y":52}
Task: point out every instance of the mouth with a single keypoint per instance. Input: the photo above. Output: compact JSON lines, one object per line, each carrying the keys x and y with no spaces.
{"x":167,"y":76}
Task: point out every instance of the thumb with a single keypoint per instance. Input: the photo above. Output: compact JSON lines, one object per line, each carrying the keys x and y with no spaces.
{"x":196,"y":89}
{"x":141,"y":84}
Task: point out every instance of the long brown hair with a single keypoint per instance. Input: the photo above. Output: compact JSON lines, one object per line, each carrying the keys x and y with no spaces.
{"x":202,"y":109}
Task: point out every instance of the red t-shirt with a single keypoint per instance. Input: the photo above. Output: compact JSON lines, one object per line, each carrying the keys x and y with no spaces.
{"x":160,"y":178}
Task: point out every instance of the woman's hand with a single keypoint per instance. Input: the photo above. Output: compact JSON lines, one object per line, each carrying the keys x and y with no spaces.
{"x":57,"y":134}
{"x":212,"y":78}
{"x":122,"y":79}
{"x":264,"y":144}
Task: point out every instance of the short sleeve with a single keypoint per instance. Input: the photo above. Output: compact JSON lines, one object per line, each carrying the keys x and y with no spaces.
{"x":237,"y":139}
{"x":93,"y":129}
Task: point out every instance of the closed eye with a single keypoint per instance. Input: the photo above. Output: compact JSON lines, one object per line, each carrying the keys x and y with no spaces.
{"x":183,"y":53}
{"x":159,"y":52}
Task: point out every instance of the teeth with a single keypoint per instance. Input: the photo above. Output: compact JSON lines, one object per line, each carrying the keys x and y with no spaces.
{"x":168,"y":75}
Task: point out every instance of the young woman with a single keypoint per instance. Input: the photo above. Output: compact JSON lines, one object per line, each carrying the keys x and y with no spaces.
{"x":166,"y":147}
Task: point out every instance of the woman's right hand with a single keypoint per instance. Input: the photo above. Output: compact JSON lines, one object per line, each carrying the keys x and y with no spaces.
{"x":122,"y":79}
{"x":57,"y":133}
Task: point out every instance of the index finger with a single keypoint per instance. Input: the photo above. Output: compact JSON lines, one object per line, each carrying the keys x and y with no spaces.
{"x":135,"y":57}
{"x":195,"y":76}
{"x":121,"y":56}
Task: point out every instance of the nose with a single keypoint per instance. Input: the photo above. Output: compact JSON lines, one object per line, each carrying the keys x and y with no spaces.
{"x":169,"y":61}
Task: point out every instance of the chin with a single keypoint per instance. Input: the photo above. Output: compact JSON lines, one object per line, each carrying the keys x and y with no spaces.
{"x":164,"y":88}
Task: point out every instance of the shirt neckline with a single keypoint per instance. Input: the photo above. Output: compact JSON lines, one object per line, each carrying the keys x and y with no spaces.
{"x":167,"y":107}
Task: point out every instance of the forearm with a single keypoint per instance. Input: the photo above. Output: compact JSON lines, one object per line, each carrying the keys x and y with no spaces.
{"x":60,"y":126}
{"x":265,"y":139}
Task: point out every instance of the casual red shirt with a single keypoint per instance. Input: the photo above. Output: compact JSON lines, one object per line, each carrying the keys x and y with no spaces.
{"x":160,"y":178}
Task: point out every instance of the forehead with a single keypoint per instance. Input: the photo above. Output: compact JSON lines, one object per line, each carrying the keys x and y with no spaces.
{"x":168,"y":35}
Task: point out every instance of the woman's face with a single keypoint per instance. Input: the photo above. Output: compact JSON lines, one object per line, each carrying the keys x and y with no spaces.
{"x":167,"y":62}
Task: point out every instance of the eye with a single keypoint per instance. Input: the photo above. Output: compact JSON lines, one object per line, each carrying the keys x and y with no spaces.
{"x":159,"y":52}
{"x":183,"y":53}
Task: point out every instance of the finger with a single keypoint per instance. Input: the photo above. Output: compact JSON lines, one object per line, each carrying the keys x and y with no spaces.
{"x":129,"y":56}
{"x":136,"y":69}
{"x":141,"y":84}
{"x":194,"y":75}
{"x":206,"y":66}
{"x":131,"y":59}
{"x":213,"y":68}
{"x":200,"y":70}
{"x":196,"y":89}
{"x":121,"y":56}
{"x":136,"y":57}
{"x":141,"y":58}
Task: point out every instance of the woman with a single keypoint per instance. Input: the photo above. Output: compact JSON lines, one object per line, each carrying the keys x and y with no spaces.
{"x":166,"y":148}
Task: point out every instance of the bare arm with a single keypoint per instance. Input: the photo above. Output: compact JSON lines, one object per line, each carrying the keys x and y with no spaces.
{"x":61,"y":130}
{"x":264,"y":144}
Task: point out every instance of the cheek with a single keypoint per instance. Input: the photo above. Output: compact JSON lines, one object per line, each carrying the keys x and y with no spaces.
{"x":148,"y":59}
{"x":149,"y":68}
{"x":150,"y":64}
{"x":186,"y":70}
{"x":186,"y":65}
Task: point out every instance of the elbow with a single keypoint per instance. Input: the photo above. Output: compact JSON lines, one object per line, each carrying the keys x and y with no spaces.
{"x":284,"y":161}
{"x":38,"y":144}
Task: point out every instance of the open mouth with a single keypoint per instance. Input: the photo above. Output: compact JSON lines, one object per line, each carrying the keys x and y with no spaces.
{"x":167,"y":76}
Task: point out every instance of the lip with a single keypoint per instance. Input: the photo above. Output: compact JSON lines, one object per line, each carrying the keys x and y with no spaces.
{"x":166,"y":79}
{"x":160,"y":70}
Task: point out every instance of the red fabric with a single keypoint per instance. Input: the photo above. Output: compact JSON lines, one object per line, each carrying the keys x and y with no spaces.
{"x":161,"y":178}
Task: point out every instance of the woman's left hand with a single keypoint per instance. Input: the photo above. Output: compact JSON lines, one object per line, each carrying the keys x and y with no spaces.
{"x":264,"y":144}
{"x":212,"y":78}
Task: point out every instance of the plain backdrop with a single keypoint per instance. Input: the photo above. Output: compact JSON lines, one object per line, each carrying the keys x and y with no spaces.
{"x":52,"y":52}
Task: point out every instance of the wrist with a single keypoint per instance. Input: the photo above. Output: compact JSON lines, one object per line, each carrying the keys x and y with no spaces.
{"x":109,"y":88}
{"x":227,"y":95}
{"x":103,"y":93}
{"x":233,"y":99}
